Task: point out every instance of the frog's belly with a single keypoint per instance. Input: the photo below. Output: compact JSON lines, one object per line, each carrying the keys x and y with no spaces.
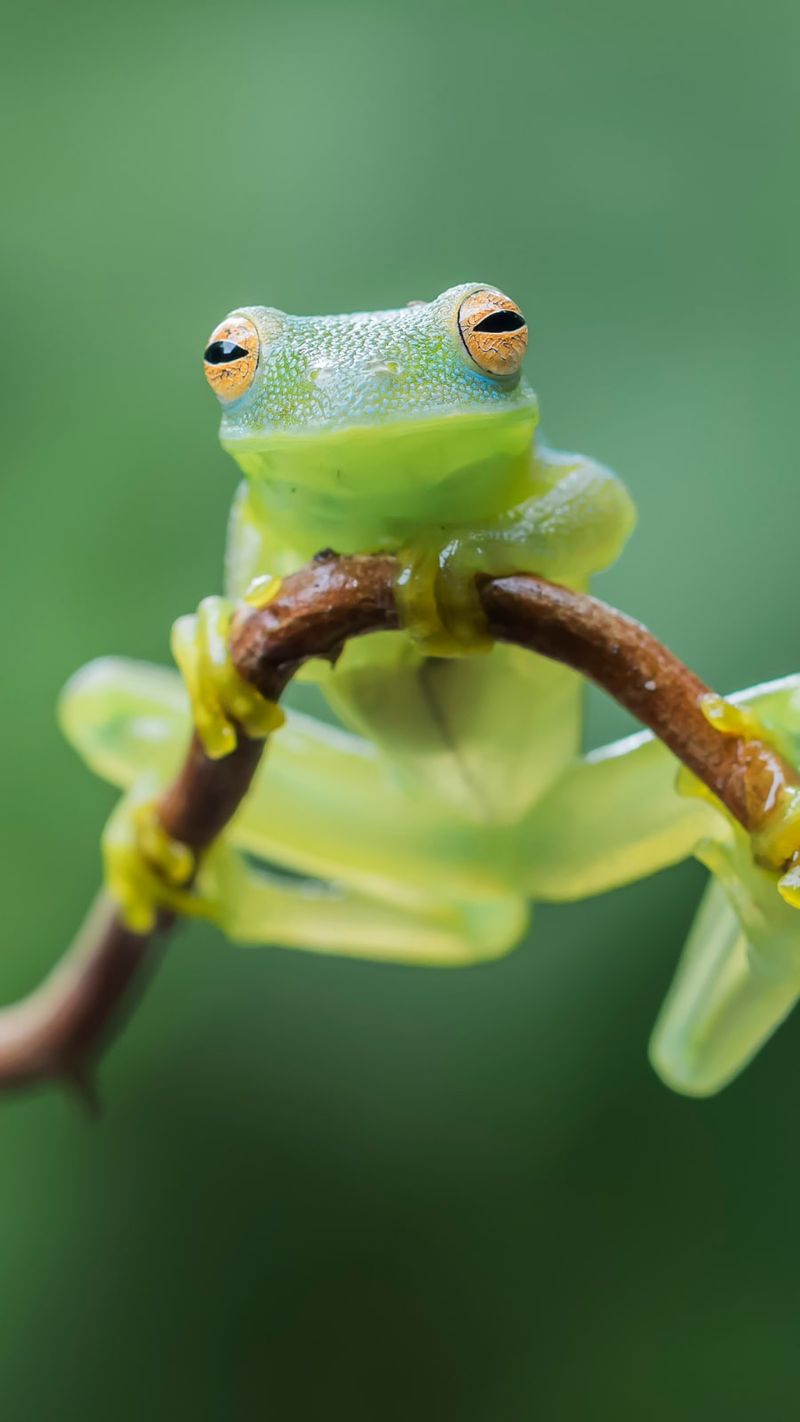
{"x":484,"y":735}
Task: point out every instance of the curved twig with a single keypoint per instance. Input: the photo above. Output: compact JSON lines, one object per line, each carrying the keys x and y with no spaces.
{"x":58,"y":1032}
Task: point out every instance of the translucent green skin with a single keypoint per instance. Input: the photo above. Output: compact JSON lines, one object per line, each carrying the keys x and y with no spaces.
{"x":376,"y":431}
{"x":454,"y":791}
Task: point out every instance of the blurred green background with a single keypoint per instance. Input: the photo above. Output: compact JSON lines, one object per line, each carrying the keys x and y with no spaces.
{"x":331,"y":1190}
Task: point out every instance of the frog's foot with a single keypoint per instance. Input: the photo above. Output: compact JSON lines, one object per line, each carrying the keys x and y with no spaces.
{"x":739,"y":975}
{"x":438,"y":601}
{"x":776,"y":841}
{"x":221,"y":699}
{"x":740,"y":972}
{"x":145,"y":870}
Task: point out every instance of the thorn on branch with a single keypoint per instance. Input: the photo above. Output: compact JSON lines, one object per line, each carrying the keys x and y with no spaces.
{"x":83,"y":1087}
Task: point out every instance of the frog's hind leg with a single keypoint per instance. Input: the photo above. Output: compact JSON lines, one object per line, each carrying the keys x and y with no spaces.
{"x":261,"y":907}
{"x":392,"y":880}
{"x":616,"y":815}
{"x":738,"y":979}
{"x":322,"y":803}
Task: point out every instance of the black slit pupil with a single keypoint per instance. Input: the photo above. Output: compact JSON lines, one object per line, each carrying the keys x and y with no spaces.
{"x":220,"y":352}
{"x":501,"y":321}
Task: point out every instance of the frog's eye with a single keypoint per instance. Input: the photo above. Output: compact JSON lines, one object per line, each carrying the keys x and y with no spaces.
{"x":231,"y":357}
{"x":494,"y":331}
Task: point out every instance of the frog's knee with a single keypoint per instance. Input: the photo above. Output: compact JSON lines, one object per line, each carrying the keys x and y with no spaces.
{"x":494,"y":928}
{"x":124,"y":718}
{"x":221,"y":700}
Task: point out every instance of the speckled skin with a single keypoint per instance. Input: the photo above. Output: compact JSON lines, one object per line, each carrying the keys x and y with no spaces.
{"x":453,"y":790}
{"x":323,"y":372}
{"x":361,"y":431}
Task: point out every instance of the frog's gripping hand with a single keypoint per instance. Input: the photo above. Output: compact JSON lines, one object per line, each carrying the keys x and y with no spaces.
{"x":220,"y":698}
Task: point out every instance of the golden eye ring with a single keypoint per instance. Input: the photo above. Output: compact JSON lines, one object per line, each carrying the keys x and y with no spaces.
{"x":494,"y":332}
{"x":231,"y":357}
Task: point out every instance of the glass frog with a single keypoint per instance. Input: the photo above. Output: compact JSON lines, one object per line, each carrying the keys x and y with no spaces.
{"x":451,"y":792}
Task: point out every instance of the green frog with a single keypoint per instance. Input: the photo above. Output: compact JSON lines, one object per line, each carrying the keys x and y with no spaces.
{"x":447,"y":791}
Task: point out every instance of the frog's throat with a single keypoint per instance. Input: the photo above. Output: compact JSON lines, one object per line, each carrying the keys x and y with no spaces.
{"x":455,"y":466}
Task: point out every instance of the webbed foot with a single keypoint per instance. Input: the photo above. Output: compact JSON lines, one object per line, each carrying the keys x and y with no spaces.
{"x":740,"y":972}
{"x":775,"y":843}
{"x":145,"y":870}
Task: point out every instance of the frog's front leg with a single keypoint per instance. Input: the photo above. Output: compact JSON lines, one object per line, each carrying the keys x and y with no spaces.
{"x":575,"y":523}
{"x":221,"y":699}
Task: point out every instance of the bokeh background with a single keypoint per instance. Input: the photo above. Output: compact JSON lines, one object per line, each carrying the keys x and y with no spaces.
{"x":323,"y":1189}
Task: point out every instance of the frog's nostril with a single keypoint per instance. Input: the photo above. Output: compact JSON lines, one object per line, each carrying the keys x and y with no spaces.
{"x":500,"y":321}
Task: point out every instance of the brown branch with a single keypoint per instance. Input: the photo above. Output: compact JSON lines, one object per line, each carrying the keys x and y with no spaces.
{"x":58,"y":1032}
{"x":630,"y":664}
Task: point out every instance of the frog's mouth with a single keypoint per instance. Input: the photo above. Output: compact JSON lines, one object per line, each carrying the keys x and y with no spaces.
{"x":485,"y":455}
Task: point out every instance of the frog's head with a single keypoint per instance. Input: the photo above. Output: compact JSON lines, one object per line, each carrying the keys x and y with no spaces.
{"x":425,"y":405}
